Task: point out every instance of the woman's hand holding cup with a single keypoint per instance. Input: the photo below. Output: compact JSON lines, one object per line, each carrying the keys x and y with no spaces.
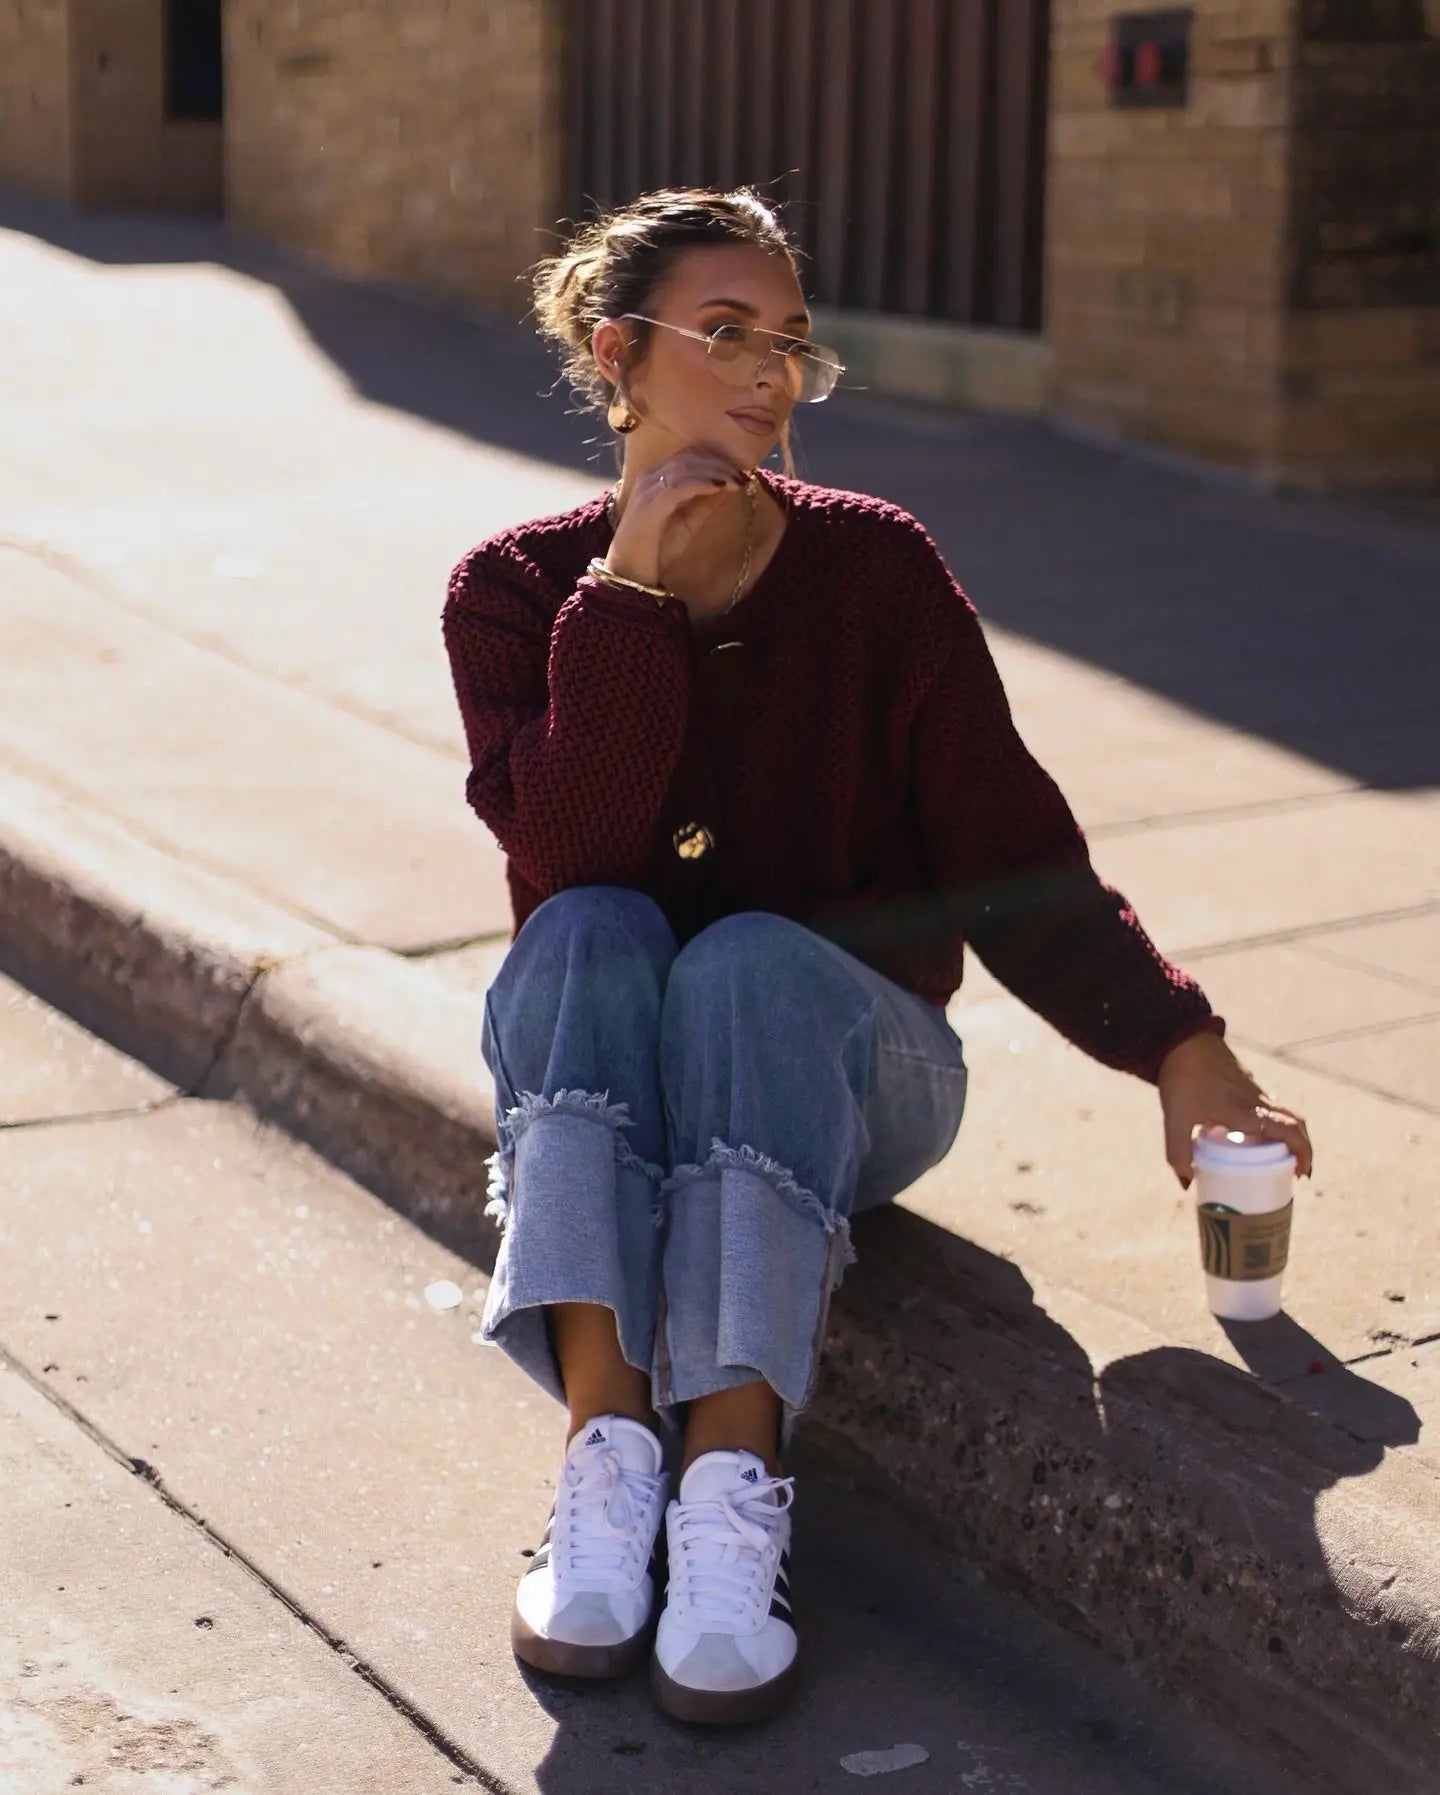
{"x":1202,"y":1084}
{"x":1243,"y":1150}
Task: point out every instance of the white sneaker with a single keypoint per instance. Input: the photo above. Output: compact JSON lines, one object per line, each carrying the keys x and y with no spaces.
{"x":725,"y":1650}
{"x":586,"y":1605}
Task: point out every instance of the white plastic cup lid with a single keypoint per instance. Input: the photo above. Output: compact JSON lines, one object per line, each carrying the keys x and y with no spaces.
{"x":1219,"y":1151}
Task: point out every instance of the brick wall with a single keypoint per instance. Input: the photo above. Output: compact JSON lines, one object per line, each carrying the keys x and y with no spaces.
{"x":1360,"y":374}
{"x":417,"y":140}
{"x":1165,"y":254}
{"x":34,"y":95}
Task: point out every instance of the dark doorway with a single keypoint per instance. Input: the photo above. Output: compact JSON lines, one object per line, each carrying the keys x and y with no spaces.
{"x":194,"y":60}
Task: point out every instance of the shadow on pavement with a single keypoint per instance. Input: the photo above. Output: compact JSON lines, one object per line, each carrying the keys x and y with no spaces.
{"x":1164,"y":1510}
{"x":1312,"y":623}
{"x":1303,"y":621}
{"x":1283,"y":1354}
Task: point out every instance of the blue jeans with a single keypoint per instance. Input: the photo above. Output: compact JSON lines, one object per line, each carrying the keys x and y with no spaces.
{"x":766,"y":1087}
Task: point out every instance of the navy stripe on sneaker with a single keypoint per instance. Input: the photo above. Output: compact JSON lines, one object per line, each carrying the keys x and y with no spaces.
{"x":780,"y":1606}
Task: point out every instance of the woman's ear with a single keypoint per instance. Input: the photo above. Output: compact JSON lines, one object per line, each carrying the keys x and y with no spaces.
{"x":608,"y":346}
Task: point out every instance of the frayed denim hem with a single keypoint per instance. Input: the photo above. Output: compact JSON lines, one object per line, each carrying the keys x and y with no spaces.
{"x":781,"y":1179}
{"x":594,"y":1104}
{"x":748,"y":1279}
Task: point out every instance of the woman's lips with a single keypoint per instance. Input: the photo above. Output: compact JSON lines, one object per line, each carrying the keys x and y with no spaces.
{"x":758,"y":423}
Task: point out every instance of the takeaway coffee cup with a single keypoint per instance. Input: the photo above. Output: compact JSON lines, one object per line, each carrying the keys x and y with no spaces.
{"x":1245,"y":1197}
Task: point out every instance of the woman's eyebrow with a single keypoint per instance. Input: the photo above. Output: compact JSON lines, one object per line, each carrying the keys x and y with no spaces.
{"x":739,"y":305}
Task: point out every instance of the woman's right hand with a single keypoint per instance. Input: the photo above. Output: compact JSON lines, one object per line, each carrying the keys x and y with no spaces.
{"x":666,"y":506}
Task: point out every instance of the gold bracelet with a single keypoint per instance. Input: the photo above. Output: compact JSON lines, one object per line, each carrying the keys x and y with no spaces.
{"x":602,"y":572}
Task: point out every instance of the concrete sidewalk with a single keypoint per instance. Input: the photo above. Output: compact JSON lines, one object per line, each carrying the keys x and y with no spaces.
{"x":234,"y":838}
{"x":265,"y":1507}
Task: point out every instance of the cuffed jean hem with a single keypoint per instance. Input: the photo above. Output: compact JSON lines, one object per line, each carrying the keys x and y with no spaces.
{"x":600,"y":1245}
{"x":758,"y":1258}
{"x":592,"y":1105}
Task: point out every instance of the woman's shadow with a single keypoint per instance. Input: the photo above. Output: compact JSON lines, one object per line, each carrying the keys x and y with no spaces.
{"x":1166,"y":1509}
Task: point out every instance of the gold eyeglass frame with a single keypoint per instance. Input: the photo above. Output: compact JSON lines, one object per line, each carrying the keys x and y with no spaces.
{"x":805,"y":348}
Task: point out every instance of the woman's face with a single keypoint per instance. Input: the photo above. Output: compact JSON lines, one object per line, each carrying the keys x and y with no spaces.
{"x":683,"y":396}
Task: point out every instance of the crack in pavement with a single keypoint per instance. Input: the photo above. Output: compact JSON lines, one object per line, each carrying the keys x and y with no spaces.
{"x":1381,"y":1352}
{"x":1359,"y":1034}
{"x":1304,"y":931}
{"x":1239,"y":1039}
{"x":1219,"y":813}
{"x":152,"y":1108}
{"x":1355,"y":1084}
{"x":432,"y":949}
{"x":146,"y":1473}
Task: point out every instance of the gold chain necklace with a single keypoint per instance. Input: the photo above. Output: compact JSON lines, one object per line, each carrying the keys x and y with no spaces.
{"x":749,"y":544}
{"x":750,"y":498}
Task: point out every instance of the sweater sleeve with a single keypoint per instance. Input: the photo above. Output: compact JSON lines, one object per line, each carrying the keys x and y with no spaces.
{"x":1011,"y":871}
{"x":575,"y":719}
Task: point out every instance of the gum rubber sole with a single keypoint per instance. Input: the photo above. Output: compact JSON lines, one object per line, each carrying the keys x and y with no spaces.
{"x":722,"y":1707}
{"x":561,"y":1659}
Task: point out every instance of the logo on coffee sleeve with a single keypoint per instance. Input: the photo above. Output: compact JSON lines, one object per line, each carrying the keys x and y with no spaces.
{"x":1244,"y":1247}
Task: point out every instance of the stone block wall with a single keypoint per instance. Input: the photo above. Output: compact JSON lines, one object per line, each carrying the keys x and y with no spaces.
{"x":1165,"y":273}
{"x":34,"y":95}
{"x":414,"y":140}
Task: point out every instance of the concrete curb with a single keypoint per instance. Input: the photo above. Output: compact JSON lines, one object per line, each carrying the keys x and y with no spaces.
{"x":376,"y":1063}
{"x":156,"y":956}
{"x":1166,"y":1509}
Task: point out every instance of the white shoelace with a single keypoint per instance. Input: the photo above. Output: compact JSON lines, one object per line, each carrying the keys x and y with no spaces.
{"x":598,"y":1525}
{"x":718,"y":1565}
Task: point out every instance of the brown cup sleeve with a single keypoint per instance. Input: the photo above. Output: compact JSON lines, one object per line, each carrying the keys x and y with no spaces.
{"x":1244,"y":1247}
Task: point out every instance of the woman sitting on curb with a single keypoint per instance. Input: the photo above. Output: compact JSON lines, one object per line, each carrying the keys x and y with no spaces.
{"x":746,"y":750}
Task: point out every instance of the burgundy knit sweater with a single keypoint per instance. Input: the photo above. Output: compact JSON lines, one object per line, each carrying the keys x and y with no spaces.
{"x":843,"y":742}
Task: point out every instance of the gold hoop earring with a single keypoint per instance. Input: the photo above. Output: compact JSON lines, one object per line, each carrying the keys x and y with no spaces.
{"x":619,"y":414}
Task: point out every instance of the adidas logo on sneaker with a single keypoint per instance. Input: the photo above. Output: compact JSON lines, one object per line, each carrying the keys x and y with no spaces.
{"x":597,"y":1438}
{"x":750,"y":1476}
